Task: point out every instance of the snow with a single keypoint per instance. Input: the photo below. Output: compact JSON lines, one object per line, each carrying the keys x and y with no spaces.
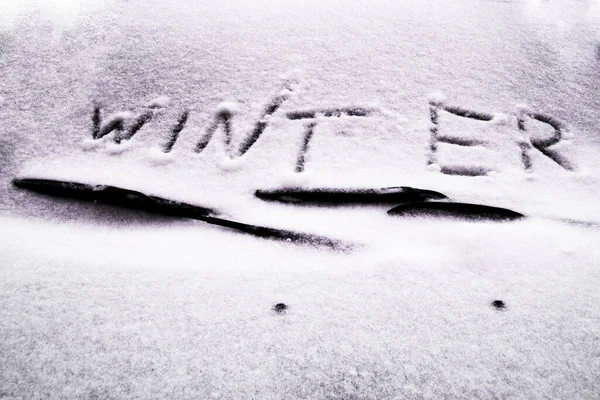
{"x":97,"y":301}
{"x":159,"y":102}
{"x":228,"y":164}
{"x":437,"y":98}
{"x":117,"y":148}
{"x":118,"y":116}
{"x":89,"y":143}
{"x":157,"y":156}
{"x":404,"y":318}
{"x":227,"y":108}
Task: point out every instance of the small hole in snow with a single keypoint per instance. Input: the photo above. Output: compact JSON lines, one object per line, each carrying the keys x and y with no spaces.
{"x":498,"y":304}
{"x":280,"y":308}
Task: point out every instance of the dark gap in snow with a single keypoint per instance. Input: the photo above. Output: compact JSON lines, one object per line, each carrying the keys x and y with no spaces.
{"x":540,"y":144}
{"x":328,"y":196}
{"x":585,"y":224}
{"x":224,"y":117}
{"x":295,"y":115}
{"x":499,"y":304}
{"x":456,"y":210}
{"x":177,"y":128}
{"x":262,"y":123}
{"x":221,"y":117}
{"x":525,"y":146}
{"x":525,"y":156}
{"x":274,"y":104}
{"x":329,"y":112}
{"x":113,"y":124}
{"x":464,"y":170}
{"x":259,"y":128}
{"x":433,"y":134}
{"x":434,"y":106}
{"x":463,"y":112}
{"x":139,"y":123}
{"x":557,"y":157}
{"x":543,"y":145}
{"x":204,"y":140}
{"x":96,"y":120}
{"x":310,"y":127}
{"x":308,"y":133}
{"x":559,"y":128}
{"x":458,"y":141}
{"x":280,"y":308}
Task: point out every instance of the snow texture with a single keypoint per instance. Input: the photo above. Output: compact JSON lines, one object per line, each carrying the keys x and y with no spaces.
{"x":228,"y":108}
{"x":437,"y":98}
{"x":159,"y":102}
{"x":157,"y":156}
{"x":102,"y":302}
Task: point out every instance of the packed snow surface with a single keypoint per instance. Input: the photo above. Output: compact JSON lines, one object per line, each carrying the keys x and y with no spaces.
{"x":102,"y":302}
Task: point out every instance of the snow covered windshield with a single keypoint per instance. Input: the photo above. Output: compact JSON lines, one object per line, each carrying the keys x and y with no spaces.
{"x":299,"y":199}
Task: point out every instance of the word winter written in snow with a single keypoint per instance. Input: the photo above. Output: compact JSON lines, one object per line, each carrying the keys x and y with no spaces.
{"x":125,"y":126}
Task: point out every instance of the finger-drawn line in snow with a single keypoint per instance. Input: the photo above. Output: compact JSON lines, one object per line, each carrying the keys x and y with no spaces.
{"x":523,"y":115}
{"x":167,"y":147}
{"x":223,"y":118}
{"x":225,"y":113}
{"x":309,"y":128}
{"x":543,"y":145}
{"x":125,"y":126}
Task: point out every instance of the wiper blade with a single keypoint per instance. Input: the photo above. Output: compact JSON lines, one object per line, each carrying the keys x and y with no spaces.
{"x":137,"y":200}
{"x":466,"y":211}
{"x":113,"y":195}
{"x":391,"y":195}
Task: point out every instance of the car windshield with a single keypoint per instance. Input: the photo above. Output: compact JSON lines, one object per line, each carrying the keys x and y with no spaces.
{"x":299,"y":199}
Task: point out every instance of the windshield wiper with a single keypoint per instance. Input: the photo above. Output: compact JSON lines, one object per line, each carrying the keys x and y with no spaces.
{"x":391,"y":195}
{"x":139,"y":201}
{"x":456,"y":210}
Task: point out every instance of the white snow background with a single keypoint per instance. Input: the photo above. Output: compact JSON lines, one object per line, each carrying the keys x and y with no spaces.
{"x":99,"y":302}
